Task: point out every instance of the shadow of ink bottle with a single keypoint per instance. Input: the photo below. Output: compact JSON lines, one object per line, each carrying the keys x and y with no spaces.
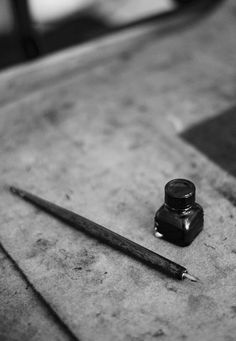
{"x":180,"y":219}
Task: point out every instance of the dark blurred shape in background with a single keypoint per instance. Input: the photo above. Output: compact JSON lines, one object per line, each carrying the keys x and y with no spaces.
{"x":32,"y":28}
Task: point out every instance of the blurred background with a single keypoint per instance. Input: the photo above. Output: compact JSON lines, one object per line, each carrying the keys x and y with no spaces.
{"x":32,"y":28}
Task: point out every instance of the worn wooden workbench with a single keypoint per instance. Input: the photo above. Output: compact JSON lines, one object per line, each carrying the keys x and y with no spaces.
{"x":100,"y":132}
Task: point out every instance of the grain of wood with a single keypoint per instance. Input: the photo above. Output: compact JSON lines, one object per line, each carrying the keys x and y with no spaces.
{"x":23,"y":316}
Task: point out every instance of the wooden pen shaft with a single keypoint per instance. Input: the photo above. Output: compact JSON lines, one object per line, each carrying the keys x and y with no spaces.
{"x":105,"y":235}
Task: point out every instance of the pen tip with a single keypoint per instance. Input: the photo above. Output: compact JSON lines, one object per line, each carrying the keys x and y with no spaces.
{"x":189,"y":276}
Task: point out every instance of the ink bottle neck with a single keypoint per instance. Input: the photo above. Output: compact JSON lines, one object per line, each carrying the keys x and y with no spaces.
{"x":180,"y":195}
{"x":179,"y":210}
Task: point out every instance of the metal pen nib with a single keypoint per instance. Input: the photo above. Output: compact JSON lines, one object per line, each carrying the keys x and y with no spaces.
{"x":189,"y":276}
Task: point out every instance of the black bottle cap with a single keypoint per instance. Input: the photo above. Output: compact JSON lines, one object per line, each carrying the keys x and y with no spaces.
{"x":179,"y":194}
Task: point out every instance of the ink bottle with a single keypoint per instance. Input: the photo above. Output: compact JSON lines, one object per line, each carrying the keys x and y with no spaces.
{"x":180,"y":219}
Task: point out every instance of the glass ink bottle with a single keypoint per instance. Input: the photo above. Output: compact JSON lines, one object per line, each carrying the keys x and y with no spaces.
{"x":180,"y":219}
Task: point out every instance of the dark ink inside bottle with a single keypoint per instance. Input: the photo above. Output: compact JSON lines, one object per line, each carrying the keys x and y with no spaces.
{"x":180,"y":219}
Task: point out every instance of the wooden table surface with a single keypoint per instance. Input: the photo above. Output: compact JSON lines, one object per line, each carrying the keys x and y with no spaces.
{"x":100,"y":130}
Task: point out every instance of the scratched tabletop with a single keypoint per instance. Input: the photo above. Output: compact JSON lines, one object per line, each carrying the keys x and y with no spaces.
{"x":100,"y":130}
